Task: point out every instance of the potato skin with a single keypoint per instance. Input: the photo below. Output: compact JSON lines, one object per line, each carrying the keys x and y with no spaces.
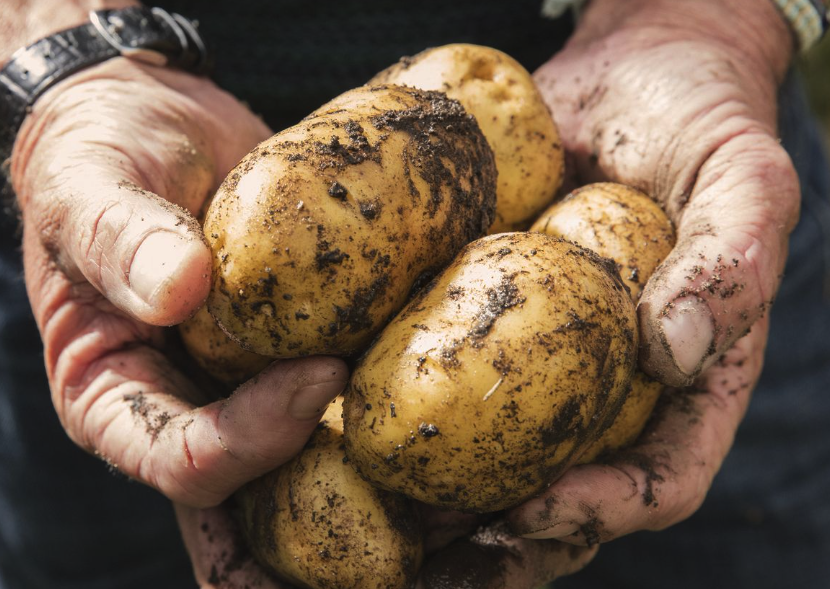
{"x":320,"y":233}
{"x":623,"y":224}
{"x":617,"y":222}
{"x":216,"y":353}
{"x":494,"y":378}
{"x":317,"y":524}
{"x":505,"y":101}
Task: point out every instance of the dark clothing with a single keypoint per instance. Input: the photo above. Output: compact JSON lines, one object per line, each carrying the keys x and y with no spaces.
{"x":286,"y":58}
{"x":66,"y":522}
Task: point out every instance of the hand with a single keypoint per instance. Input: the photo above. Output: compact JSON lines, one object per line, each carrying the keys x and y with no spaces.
{"x":219,"y":555}
{"x":479,"y":552}
{"x":679,"y":99}
{"x":110,"y":169}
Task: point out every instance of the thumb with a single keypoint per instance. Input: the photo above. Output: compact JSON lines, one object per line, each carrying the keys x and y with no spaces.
{"x":727,"y":264}
{"x":145,"y":254}
{"x":261,"y":426}
{"x":133,"y":414}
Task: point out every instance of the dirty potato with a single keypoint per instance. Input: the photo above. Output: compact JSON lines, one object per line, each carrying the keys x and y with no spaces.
{"x":216,"y":353}
{"x":503,"y":97}
{"x":617,"y":222}
{"x":623,"y":224}
{"x":496,"y":377}
{"x":322,"y":231}
{"x":318,"y":525}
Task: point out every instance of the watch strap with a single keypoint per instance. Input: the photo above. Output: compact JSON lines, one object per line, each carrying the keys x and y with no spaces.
{"x":808,"y":20}
{"x":150,"y":35}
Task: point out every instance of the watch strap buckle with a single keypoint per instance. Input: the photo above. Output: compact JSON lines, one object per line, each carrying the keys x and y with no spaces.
{"x":192,"y":54}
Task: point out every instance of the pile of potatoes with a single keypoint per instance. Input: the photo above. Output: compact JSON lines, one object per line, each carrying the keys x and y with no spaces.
{"x":485,"y":365}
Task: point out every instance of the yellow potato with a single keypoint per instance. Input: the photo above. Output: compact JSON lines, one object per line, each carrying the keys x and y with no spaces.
{"x":317,"y":524}
{"x":216,"y":353}
{"x":496,"y":377}
{"x":617,"y":222}
{"x":623,"y":224}
{"x":503,"y":97}
{"x":631,"y":420}
{"x":321,"y":232}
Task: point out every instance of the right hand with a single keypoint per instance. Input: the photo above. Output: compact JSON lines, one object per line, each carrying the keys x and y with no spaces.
{"x":110,"y":169}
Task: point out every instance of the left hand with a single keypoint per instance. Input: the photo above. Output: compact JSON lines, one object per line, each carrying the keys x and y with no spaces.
{"x":679,"y":99}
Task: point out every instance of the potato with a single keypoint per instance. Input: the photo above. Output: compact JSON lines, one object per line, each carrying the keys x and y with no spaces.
{"x":496,"y":377}
{"x":630,"y":421}
{"x":623,"y":224}
{"x":503,"y":97}
{"x":322,"y":231}
{"x":617,"y":222}
{"x":216,"y":353}
{"x":317,"y":524}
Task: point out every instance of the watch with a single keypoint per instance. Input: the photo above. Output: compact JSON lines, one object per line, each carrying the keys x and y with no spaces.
{"x":149,"y":35}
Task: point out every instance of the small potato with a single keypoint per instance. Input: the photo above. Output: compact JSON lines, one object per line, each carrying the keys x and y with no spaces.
{"x":496,"y":377}
{"x":617,"y":222}
{"x":216,"y":353}
{"x":322,"y":231}
{"x":623,"y":224}
{"x":502,"y":96}
{"x":318,"y":525}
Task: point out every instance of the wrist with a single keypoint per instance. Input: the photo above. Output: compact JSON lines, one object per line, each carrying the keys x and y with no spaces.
{"x":78,"y":102}
{"x":150,"y":36}
{"x":754,"y":31}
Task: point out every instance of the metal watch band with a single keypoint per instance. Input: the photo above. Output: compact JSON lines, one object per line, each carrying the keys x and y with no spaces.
{"x":150,"y":35}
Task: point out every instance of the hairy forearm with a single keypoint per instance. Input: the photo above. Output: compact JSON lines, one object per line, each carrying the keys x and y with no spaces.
{"x":754,"y":28}
{"x":25,"y":21}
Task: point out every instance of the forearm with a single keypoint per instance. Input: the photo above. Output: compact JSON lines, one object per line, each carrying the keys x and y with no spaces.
{"x":755,"y":29}
{"x":25,"y":21}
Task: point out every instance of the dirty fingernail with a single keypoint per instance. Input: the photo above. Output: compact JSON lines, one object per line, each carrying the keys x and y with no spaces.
{"x":689,"y":331}
{"x":556,"y":531}
{"x":311,"y":401}
{"x":157,"y":261}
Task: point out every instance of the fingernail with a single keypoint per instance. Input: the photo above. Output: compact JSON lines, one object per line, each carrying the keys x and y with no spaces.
{"x":311,"y":401}
{"x":157,"y":261}
{"x":689,"y":331}
{"x":557,"y":531}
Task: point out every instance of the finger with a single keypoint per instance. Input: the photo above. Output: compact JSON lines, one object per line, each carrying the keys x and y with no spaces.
{"x":494,"y":559}
{"x":724,"y":272}
{"x":665,"y":477}
{"x":89,"y":173}
{"x":143,"y":253}
{"x":198,"y":456}
{"x":218,"y":553}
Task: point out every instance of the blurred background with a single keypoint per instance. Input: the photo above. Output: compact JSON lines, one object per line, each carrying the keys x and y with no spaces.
{"x":816,"y":68}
